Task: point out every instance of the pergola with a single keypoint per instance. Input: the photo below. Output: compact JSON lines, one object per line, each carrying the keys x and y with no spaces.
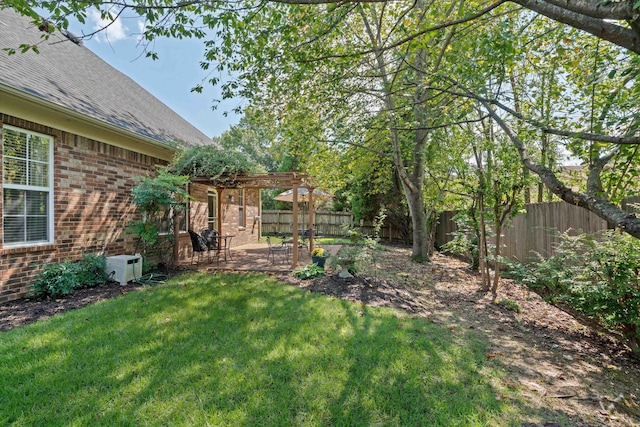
{"x":293,"y":180}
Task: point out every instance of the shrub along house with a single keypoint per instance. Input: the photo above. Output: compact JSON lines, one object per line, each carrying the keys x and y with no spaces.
{"x":75,"y":135}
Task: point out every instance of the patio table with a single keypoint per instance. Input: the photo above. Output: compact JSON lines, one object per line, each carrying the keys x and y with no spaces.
{"x":224,"y":243}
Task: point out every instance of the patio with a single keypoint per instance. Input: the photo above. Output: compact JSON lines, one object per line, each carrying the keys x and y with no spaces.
{"x":255,"y":257}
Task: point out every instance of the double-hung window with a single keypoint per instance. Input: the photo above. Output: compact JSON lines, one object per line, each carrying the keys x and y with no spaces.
{"x":167,"y":218}
{"x":27,"y":187}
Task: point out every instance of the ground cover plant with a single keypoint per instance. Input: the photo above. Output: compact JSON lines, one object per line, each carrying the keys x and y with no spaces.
{"x":598,"y":276}
{"x":62,"y":278}
{"x":245,"y":350}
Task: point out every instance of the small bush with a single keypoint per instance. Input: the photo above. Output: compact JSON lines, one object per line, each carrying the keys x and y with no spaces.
{"x":309,"y":271}
{"x":55,"y":279}
{"x":510,"y":305}
{"x":597,"y":276}
{"x":62,"y":278}
{"x":91,"y":271}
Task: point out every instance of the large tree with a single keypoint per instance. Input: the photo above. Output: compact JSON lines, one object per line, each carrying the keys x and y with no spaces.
{"x":614,"y":21}
{"x":590,"y":109}
{"x":403,"y":42}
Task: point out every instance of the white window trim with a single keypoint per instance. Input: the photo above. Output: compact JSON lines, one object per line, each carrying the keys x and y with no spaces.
{"x":187,"y":217}
{"x":172,"y":212}
{"x":213,"y":192}
{"x":49,"y":188}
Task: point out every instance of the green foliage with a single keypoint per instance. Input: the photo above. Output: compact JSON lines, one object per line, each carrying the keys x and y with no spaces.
{"x":287,"y":356}
{"x":253,"y":136}
{"x":465,"y":239}
{"x":147,"y":232}
{"x":55,"y":279}
{"x":598,"y":276}
{"x":62,"y":278}
{"x":212,"y":162}
{"x":91,"y":270}
{"x":510,"y":305}
{"x":347,"y":257}
{"x":362,"y":249}
{"x":309,"y":271}
{"x":154,"y":197}
{"x":463,"y":245}
{"x":155,"y":194}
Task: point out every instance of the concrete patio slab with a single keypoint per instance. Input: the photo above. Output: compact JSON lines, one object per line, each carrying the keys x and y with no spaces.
{"x":255,"y":257}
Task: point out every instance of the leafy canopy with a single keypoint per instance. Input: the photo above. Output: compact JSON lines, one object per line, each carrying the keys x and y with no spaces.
{"x":153,"y":195}
{"x":212,"y":162}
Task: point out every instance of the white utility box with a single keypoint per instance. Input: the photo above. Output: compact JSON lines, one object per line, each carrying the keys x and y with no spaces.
{"x":126,"y":267}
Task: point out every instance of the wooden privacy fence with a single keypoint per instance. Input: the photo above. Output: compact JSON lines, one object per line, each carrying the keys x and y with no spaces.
{"x":329,"y":224}
{"x":534,"y":231}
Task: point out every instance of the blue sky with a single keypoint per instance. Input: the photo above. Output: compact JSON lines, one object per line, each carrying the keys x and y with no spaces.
{"x":169,"y":78}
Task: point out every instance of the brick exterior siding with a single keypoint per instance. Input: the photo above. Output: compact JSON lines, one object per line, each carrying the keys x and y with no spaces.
{"x":92,"y":205}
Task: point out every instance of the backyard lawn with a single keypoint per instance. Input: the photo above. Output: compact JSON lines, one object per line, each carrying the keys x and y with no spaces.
{"x":246,"y":350}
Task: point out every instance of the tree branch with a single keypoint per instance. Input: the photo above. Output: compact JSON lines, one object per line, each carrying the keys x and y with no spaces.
{"x":592,"y":202}
{"x":587,"y":136}
{"x":599,"y":27}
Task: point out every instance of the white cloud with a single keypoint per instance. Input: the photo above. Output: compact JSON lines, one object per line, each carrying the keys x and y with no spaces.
{"x":110,"y":31}
{"x":140,"y":36}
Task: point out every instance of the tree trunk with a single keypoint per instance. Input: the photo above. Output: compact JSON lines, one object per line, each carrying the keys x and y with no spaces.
{"x":420,"y":248}
{"x":411,"y":177}
{"x":496,"y":267}
{"x":482,"y":246}
{"x":592,"y":17}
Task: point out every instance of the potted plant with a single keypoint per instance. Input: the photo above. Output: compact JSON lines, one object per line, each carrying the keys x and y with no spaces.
{"x":319,"y":256}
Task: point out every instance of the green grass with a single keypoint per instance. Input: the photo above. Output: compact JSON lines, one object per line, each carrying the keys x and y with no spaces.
{"x":332,"y":241}
{"x":244,"y":350}
{"x":318,"y":240}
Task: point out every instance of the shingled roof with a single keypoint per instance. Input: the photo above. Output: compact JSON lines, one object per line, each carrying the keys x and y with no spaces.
{"x":69,"y":75}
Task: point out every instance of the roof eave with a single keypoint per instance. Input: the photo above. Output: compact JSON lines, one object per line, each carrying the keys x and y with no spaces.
{"x":23,"y":105}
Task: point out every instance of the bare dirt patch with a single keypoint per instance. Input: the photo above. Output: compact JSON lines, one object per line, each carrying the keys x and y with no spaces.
{"x":574,"y":374}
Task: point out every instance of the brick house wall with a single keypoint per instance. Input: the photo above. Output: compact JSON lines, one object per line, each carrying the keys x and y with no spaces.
{"x":92,"y":205}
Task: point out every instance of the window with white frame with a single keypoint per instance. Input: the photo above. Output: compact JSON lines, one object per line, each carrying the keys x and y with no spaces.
{"x":27,"y":187}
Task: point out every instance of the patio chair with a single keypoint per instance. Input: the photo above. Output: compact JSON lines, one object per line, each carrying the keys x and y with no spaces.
{"x":212,"y":239}
{"x":199,"y":245}
{"x":277,"y":249}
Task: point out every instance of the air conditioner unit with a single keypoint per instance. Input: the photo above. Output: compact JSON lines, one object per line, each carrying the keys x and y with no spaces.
{"x":124,"y":268}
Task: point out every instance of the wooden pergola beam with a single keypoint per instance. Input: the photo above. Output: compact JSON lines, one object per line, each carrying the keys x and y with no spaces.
{"x":264,"y":180}
{"x":271,"y":180}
